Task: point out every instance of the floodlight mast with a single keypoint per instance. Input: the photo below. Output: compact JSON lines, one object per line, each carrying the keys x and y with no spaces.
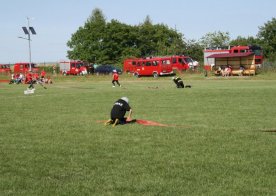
{"x":28,"y":32}
{"x":29,"y":38}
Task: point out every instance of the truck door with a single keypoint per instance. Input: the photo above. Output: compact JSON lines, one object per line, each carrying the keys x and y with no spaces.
{"x":148,"y":69}
{"x":175,"y":63}
{"x":165,"y":66}
{"x":73,"y":68}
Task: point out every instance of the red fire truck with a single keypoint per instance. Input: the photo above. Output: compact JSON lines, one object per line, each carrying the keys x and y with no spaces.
{"x":72,"y":67}
{"x":25,"y":68}
{"x":155,"y":66}
{"x":210,"y":62}
{"x":5,"y":68}
{"x":183,"y":62}
{"x":178,"y":62}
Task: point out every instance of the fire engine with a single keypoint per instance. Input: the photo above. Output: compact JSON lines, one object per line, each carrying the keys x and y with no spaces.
{"x":154,"y":66}
{"x":72,"y":67}
{"x":178,"y":62}
{"x":24,"y":68}
{"x":183,"y":62}
{"x":210,"y":62}
{"x":5,"y":68}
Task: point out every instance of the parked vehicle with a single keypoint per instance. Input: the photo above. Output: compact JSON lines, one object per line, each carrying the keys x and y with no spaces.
{"x":107,"y":69}
{"x":73,"y":67}
{"x":155,"y":66}
{"x":130,"y":65}
{"x":5,"y":68}
{"x":25,"y":68}
{"x":179,"y":62}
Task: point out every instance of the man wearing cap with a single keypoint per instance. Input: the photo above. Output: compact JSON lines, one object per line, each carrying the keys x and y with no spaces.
{"x":115,"y":78}
{"x":119,"y":110}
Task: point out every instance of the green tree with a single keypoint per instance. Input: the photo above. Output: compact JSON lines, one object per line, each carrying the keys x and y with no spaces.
{"x":267,"y":35}
{"x":215,"y":39}
{"x":242,"y":41}
{"x":110,"y":42}
{"x":145,"y":37}
{"x":87,"y":42}
{"x":158,"y":39}
{"x":119,"y":39}
{"x":194,"y":49}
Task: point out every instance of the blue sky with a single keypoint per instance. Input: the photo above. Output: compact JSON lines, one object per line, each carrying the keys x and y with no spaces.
{"x":56,"y":20}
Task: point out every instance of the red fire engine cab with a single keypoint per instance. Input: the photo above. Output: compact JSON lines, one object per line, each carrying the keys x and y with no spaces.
{"x":25,"y":68}
{"x":154,"y":66}
{"x":210,"y":62}
{"x":183,"y":62}
{"x":72,"y":67}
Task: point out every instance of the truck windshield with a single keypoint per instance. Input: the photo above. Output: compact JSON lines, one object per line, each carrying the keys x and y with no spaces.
{"x":78,"y":65}
{"x":189,"y":60}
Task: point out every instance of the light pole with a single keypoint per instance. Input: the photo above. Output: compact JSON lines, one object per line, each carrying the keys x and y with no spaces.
{"x":28,"y":31}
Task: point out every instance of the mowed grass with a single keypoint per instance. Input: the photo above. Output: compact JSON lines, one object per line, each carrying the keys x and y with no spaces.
{"x":221,"y":143}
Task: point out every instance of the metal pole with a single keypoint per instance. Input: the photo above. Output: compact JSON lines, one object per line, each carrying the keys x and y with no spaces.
{"x":29,"y":38}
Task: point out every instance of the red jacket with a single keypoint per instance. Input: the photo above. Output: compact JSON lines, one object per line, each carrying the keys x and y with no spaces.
{"x":115,"y":76}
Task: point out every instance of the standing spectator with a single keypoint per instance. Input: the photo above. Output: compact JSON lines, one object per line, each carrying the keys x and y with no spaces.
{"x":54,"y":69}
{"x":115,"y":78}
{"x":12,"y":80}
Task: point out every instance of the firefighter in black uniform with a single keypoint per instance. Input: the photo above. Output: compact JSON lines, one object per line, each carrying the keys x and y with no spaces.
{"x":118,"y":111}
{"x":179,"y":83}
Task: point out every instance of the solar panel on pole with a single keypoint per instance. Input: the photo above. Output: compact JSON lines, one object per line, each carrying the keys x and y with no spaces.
{"x":25,"y":30}
{"x":32,"y":30}
{"x":28,"y":31}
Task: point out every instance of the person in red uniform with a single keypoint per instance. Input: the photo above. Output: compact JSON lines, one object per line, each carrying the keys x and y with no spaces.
{"x":115,"y":78}
{"x":35,"y":77}
{"x":29,"y":80}
{"x":42,"y":74}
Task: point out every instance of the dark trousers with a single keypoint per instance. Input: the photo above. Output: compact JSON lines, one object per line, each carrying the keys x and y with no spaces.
{"x":32,"y":84}
{"x":180,"y":84}
{"x":113,"y":82}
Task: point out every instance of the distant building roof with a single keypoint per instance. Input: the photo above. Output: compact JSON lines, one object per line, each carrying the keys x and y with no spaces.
{"x":228,"y":55}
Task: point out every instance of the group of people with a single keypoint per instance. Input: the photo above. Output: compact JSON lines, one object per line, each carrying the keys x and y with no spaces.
{"x":224,"y":71}
{"x":31,"y":78}
{"x":228,"y":70}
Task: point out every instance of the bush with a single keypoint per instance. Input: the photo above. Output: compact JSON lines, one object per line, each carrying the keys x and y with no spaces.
{"x":49,"y":69}
{"x":268,"y":67}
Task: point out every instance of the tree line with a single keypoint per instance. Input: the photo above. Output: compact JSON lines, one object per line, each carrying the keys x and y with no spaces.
{"x":102,"y":42}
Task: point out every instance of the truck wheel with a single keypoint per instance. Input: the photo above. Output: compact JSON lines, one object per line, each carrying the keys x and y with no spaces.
{"x":155,"y":75}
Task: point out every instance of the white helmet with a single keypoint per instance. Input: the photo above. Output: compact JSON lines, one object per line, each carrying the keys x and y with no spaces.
{"x":125,"y":99}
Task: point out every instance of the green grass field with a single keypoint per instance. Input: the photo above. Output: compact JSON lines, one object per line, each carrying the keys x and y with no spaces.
{"x":51,"y":142}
